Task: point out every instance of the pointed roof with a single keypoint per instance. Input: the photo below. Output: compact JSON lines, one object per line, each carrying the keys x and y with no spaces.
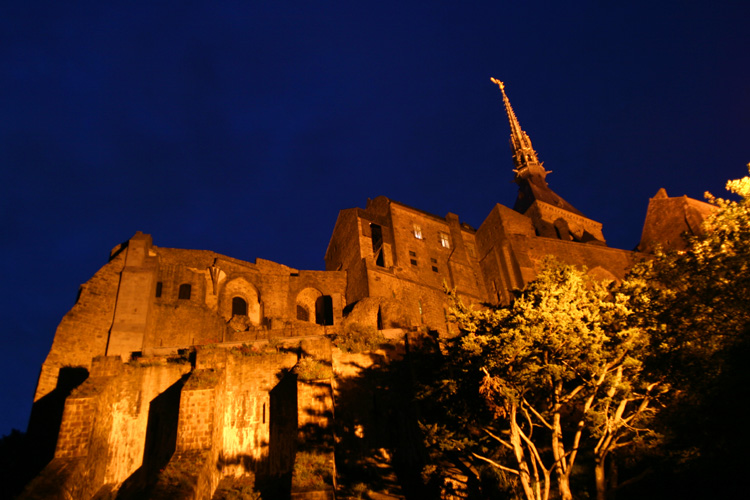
{"x":530,"y":172}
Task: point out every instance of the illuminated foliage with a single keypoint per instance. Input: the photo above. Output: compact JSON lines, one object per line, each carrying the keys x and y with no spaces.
{"x":574,"y":369}
{"x":558,"y":371}
{"x":695,"y":306}
{"x":696,"y":299}
{"x":359,"y":338}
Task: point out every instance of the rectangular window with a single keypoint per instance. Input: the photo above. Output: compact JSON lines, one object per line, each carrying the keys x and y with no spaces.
{"x":158,"y":288}
{"x":412,"y":254}
{"x":184,"y":292}
{"x":418,"y":231}
{"x":443,"y":239}
{"x":434,"y":261}
{"x":413,"y":262}
{"x":434,"y":268}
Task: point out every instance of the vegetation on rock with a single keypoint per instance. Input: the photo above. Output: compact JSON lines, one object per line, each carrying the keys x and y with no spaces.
{"x":239,"y":488}
{"x":359,"y":338}
{"x":309,"y":369}
{"x":312,"y":472}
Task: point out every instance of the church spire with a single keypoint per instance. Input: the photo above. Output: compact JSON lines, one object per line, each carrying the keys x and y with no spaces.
{"x":530,"y":173}
{"x":525,"y":160}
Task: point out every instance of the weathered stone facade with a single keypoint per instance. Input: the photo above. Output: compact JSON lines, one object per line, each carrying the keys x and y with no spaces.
{"x":180,"y":369}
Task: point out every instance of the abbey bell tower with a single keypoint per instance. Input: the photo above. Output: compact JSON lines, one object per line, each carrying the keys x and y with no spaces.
{"x":553,"y":217}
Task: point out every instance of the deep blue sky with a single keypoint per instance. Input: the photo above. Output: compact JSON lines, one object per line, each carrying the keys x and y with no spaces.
{"x":243,"y":127}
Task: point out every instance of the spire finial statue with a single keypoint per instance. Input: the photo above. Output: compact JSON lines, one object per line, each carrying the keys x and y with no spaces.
{"x":525,"y":159}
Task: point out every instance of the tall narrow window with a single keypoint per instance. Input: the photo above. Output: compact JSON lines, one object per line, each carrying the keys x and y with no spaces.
{"x":377,"y":244}
{"x":418,"y":231}
{"x":239,"y":307}
{"x":158,"y":288}
{"x":184,"y":293}
{"x":443,"y":239}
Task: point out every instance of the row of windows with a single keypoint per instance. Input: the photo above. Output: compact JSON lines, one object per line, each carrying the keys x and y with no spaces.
{"x":239,"y":305}
{"x":323,"y":305}
{"x":183,"y":292}
{"x":413,"y":260}
{"x":443,"y":238}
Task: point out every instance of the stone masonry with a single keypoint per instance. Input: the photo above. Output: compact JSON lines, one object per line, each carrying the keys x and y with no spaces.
{"x":177,"y":370}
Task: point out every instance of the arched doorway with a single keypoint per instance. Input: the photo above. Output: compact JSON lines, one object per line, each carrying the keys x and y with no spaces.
{"x":313,"y":306}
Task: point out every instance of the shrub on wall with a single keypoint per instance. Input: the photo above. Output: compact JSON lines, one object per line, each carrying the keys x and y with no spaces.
{"x":357,"y":337}
{"x":308,"y":369}
{"x":254,"y":349}
{"x":202,"y":379}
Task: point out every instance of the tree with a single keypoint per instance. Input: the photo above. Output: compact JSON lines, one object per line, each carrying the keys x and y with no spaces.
{"x":697,"y":299}
{"x":694,"y":304}
{"x":558,"y":371}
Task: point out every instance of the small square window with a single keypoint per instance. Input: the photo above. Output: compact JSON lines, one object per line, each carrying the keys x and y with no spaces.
{"x":418,"y":231}
{"x":413,"y":262}
{"x":444,"y":241}
{"x":434,"y":261}
{"x":184,"y":292}
{"x":434,"y":268}
{"x":412,"y":254}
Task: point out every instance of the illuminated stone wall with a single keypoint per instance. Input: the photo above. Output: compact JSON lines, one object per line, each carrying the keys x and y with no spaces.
{"x":148,"y":386}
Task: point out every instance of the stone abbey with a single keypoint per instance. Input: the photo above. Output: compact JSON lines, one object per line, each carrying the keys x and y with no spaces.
{"x":183,"y":369}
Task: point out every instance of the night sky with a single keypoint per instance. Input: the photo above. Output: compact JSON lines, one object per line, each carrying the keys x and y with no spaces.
{"x":244,"y":127}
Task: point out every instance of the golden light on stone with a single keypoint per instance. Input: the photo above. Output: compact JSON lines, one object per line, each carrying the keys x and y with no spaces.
{"x":218,"y":366}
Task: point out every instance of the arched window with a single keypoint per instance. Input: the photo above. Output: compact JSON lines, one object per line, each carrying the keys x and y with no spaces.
{"x":184,"y":292}
{"x":239,"y":307}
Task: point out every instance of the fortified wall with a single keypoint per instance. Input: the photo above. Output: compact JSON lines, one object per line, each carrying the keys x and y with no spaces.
{"x":181,"y":372}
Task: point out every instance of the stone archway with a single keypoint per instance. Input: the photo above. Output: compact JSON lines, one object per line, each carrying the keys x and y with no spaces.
{"x":311,"y":305}
{"x":234,"y":293}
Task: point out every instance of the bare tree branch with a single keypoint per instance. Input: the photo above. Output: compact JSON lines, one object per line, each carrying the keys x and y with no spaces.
{"x":498,"y":439}
{"x":526,"y":404}
{"x":495,"y":464}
